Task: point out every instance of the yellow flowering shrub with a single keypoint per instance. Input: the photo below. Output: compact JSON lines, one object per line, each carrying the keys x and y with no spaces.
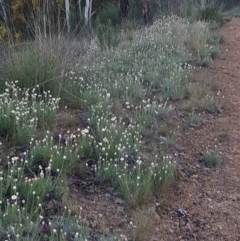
{"x":18,"y":36}
{"x":17,"y":7}
{"x":3,"y":31}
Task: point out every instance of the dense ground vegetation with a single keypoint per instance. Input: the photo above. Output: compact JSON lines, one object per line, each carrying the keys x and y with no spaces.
{"x":98,"y":107}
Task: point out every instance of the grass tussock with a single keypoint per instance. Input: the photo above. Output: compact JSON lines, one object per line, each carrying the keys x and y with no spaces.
{"x":142,"y":224}
{"x":212,"y":159}
{"x":40,"y":63}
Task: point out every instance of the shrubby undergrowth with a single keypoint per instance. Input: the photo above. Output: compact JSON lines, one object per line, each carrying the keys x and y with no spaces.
{"x":127,"y":91}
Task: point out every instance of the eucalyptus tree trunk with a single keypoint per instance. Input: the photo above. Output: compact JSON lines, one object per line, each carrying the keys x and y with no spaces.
{"x":67,"y":9}
{"x":80,"y":9}
{"x":88,"y":12}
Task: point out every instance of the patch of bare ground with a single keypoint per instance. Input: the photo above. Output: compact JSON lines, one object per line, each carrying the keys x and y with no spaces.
{"x":204,"y":203}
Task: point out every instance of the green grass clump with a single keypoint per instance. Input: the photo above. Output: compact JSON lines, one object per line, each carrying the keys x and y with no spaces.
{"x":25,"y":198}
{"x":107,"y":35}
{"x":212,"y":159}
{"x":109,"y":13}
{"x":210,"y":11}
{"x":234,"y":11}
{"x":213,"y":106}
{"x":195,"y":119}
{"x":59,"y":156}
{"x":211,"y":14}
{"x":136,"y":182}
{"x":163,"y":176}
{"x":38,"y":63}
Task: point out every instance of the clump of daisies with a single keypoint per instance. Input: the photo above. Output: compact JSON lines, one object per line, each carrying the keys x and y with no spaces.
{"x":22,"y":111}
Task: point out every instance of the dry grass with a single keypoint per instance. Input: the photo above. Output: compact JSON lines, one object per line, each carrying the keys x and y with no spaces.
{"x":198,"y":98}
{"x":66,"y":119}
{"x":142,"y":223}
{"x":117,"y":108}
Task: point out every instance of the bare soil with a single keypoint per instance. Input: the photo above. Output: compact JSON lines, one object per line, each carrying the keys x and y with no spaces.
{"x":203,"y":203}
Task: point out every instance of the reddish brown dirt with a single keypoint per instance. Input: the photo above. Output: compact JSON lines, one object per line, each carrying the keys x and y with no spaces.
{"x":211,"y":197}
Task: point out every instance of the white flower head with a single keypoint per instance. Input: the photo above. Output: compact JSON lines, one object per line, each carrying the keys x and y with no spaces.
{"x":14,"y":197}
{"x":105,"y":140}
{"x":85,"y":131}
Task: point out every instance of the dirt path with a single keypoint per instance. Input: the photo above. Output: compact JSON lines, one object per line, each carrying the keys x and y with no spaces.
{"x":211,"y":197}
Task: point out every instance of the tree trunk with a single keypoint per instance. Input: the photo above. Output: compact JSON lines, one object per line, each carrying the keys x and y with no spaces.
{"x":86,"y":12}
{"x":124,"y":8}
{"x":90,"y":13}
{"x":67,"y":9}
{"x":80,"y":9}
{"x":146,"y":11}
